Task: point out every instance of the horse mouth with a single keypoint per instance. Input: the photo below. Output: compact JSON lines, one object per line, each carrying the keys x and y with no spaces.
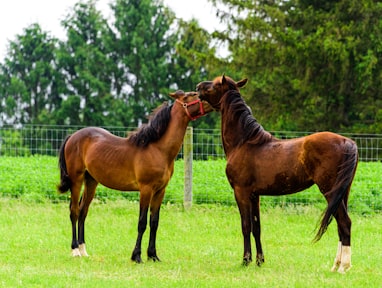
{"x":202,"y":89}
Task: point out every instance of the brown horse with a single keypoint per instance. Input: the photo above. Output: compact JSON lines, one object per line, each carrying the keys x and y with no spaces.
{"x":142,"y":162}
{"x":260,"y":164}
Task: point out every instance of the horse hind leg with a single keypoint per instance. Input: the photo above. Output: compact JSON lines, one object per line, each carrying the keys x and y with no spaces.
{"x":341,"y":216}
{"x":256,"y":229}
{"x":342,"y":261}
{"x":337,"y":195}
{"x":74,"y":214}
{"x":86,"y":199}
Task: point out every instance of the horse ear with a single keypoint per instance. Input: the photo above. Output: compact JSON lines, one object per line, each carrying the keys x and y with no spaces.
{"x":223,"y":79}
{"x":177,"y":94}
{"x":241,"y":83}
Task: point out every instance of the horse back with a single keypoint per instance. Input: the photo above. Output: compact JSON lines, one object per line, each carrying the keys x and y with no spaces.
{"x":114,"y":161}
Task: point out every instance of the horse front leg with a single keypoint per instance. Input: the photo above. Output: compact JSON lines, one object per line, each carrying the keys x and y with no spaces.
{"x":244,"y":205}
{"x":154,"y":222}
{"x":144,"y":203}
{"x":142,"y":222}
{"x":256,"y":229}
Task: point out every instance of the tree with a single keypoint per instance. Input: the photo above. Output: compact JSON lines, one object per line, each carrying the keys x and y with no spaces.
{"x":312,"y":65}
{"x":144,"y":42}
{"x":85,"y":63}
{"x":194,"y":60}
{"x":28,"y":77}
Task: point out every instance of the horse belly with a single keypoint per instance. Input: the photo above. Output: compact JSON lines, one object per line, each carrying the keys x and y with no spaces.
{"x":133,"y":186}
{"x":117,"y":179}
{"x":283,"y":185}
{"x":268,"y":178}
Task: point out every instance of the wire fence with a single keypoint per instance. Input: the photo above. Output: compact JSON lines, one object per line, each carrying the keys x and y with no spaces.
{"x":46,"y":140}
{"x":213,"y":187}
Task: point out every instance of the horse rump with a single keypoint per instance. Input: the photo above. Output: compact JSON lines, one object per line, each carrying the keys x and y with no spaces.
{"x":341,"y":188}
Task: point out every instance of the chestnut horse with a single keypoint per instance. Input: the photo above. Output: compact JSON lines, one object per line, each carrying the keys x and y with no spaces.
{"x":142,"y":162}
{"x":260,"y":164}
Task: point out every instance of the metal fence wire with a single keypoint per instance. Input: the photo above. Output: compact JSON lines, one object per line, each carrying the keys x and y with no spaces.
{"x":46,"y":140}
{"x":28,"y":140}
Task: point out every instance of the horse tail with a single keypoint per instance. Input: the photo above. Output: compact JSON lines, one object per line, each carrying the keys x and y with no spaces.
{"x":341,"y":188}
{"x":65,"y":182}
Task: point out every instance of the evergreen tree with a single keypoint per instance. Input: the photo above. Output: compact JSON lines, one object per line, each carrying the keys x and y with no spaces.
{"x":28,"y":81}
{"x":312,"y":65}
{"x":85,"y":63}
{"x":144,"y":43}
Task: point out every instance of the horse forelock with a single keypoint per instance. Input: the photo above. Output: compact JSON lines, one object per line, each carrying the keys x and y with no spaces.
{"x":237,"y":112}
{"x":154,"y":129}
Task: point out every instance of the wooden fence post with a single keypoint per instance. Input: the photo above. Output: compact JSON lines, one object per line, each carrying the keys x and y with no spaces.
{"x":187,"y":156}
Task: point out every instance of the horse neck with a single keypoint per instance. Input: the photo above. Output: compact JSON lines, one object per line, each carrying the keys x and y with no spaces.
{"x":233,"y":133}
{"x":228,"y":136}
{"x":172,"y":140}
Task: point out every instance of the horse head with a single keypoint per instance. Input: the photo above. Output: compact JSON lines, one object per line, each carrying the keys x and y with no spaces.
{"x":192,"y":104}
{"x":213,"y":91}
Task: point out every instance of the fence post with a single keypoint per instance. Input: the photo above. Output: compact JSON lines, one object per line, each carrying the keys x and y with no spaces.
{"x":187,"y":156}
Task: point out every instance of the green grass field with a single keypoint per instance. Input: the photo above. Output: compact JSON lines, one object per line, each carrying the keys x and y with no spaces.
{"x":35,"y":178}
{"x":198,"y":248}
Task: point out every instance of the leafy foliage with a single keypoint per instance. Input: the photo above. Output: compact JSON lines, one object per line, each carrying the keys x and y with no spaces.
{"x":312,"y":65}
{"x":28,"y":77}
{"x":106,"y":73}
{"x":143,"y":45}
{"x":15,"y":140}
{"x":83,"y":58}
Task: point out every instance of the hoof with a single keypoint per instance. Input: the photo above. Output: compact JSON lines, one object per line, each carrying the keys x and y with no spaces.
{"x":247,"y":259}
{"x":344,"y":268}
{"x":136,"y":256}
{"x":246,"y":262}
{"x":259,"y":260}
{"x":137,"y":259}
{"x":82,"y":249}
{"x":335,"y":267}
{"x":342,"y":262}
{"x":76,"y":252}
{"x":154,"y":258}
{"x":341,"y":268}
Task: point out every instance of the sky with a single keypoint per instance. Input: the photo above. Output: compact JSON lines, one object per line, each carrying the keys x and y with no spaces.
{"x":15,"y":15}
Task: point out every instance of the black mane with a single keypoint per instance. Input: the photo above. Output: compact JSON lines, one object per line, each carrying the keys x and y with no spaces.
{"x":154,"y":129}
{"x":235,"y":110}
